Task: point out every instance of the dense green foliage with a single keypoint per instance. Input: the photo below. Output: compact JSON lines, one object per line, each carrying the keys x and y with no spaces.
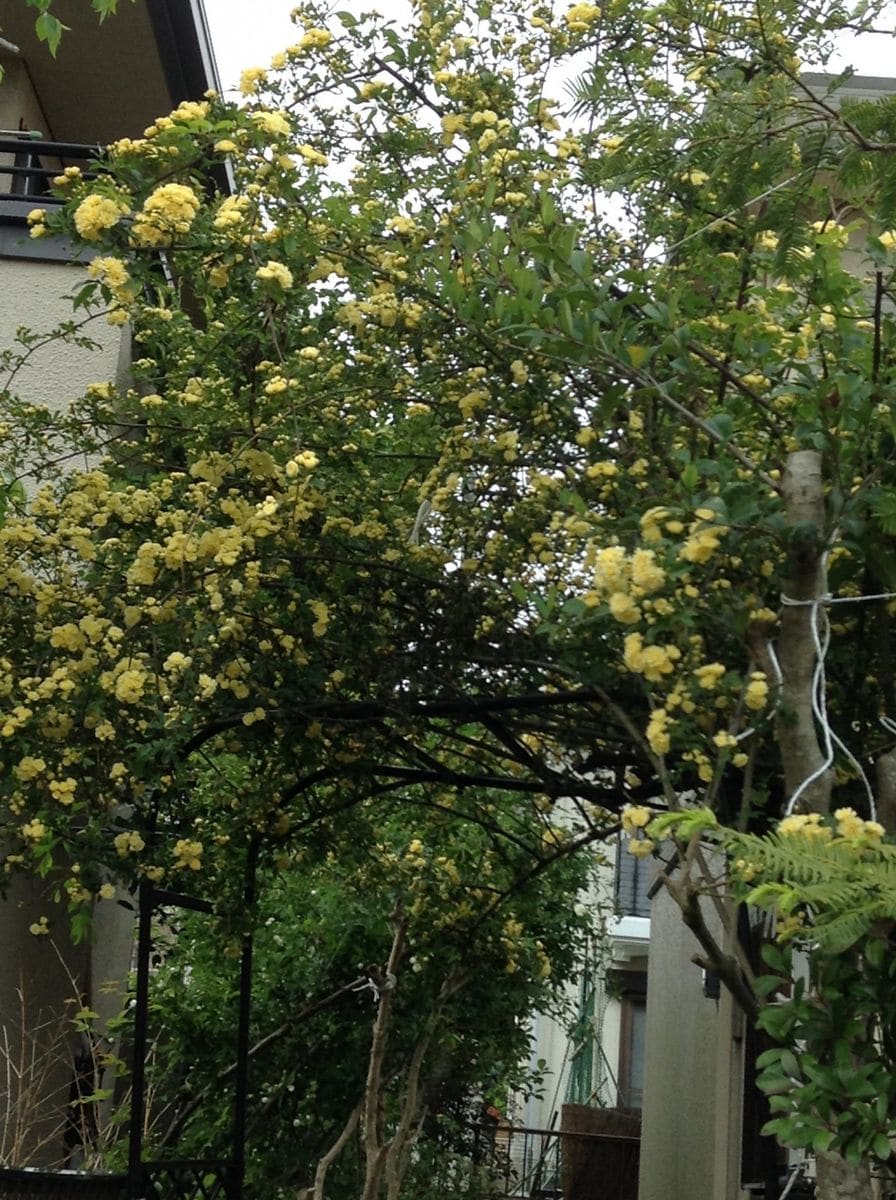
{"x":324,"y":931}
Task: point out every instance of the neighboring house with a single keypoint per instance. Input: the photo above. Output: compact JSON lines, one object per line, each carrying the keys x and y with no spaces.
{"x":603,"y":1055}
{"x":108,"y":81}
{"x":594,"y":1057}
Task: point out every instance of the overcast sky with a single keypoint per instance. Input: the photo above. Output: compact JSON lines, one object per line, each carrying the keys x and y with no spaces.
{"x":246,"y":35}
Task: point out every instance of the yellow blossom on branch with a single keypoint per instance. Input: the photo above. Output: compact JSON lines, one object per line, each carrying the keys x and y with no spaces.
{"x":96,"y":214}
{"x":166,"y":213}
{"x":188,"y":855}
{"x":635,"y":816}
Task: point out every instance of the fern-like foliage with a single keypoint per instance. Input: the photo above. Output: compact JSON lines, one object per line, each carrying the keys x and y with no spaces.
{"x":840,"y":888}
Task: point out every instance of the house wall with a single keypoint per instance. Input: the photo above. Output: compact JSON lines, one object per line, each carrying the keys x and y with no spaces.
{"x":33,"y":294}
{"x":44,"y":979}
{"x":19,"y":105}
{"x":691,"y":1119}
{"x":623,"y":948}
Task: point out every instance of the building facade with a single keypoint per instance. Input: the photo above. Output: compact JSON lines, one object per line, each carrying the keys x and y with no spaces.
{"x":108,"y":81}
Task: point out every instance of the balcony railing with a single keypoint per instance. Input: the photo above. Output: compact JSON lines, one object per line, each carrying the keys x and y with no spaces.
{"x":28,"y":164}
{"x":515,"y":1163}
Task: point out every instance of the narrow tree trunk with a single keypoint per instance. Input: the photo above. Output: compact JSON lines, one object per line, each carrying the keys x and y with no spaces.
{"x":372,"y":1123}
{"x":842,"y":1180}
{"x":802,"y":755}
{"x":886,"y":790}
{"x":796,"y":730}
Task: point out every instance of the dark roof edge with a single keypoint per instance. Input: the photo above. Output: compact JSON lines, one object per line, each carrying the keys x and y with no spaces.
{"x":185,"y":47}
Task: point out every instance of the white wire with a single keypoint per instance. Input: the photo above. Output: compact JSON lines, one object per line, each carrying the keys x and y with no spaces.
{"x":794,"y":1175}
{"x":819,"y":695}
{"x":854,"y":599}
{"x":819,"y":691}
{"x":819,"y":707}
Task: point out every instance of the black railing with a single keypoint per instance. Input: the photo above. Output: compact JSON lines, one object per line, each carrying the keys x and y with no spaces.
{"x":548,"y":1164}
{"x":188,"y":1179}
{"x":28,"y":164}
{"x":185,"y":1179}
{"x":22,"y":1183}
{"x":514,"y":1161}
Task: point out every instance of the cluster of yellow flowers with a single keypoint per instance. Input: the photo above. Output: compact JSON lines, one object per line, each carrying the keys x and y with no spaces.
{"x":635,"y":817}
{"x":252,"y":79}
{"x":36,"y":220}
{"x":113,"y":273}
{"x":128,"y":843}
{"x":654,"y":662}
{"x":581,"y":16}
{"x":231,"y":213}
{"x":709,"y":675}
{"x":188,"y":855}
{"x":168,"y":211}
{"x":850,"y":826}
{"x":312,"y":156}
{"x":312,"y":39}
{"x":705,"y":535}
{"x":756,"y":694}
{"x":97,"y":214}
{"x":321,"y":617}
{"x":658,"y":731}
{"x":275,"y":124}
{"x":622,"y":579}
{"x":63,"y":790}
{"x":276,"y":273}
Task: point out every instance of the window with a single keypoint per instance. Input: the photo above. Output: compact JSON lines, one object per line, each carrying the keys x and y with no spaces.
{"x":632,"y":1041}
{"x":633,"y":879}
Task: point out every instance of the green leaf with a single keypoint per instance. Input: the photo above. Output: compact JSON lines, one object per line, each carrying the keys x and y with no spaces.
{"x":104,"y":8}
{"x":723,"y":424}
{"x":823,"y":1140}
{"x":876,"y":952}
{"x":881,"y":1147}
{"x":50,"y":30}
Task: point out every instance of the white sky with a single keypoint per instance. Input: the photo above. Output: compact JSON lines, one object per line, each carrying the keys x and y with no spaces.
{"x":246,"y":35}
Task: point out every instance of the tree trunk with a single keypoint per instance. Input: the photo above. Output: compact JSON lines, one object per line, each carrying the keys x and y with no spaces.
{"x":886,"y":790}
{"x":802,"y":755}
{"x":795,"y":728}
{"x":842,"y":1180}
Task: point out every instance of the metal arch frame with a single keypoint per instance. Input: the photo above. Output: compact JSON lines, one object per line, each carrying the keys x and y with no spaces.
{"x":230,"y":1172}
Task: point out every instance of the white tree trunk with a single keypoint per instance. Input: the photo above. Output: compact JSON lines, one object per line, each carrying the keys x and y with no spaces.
{"x":796,"y":727}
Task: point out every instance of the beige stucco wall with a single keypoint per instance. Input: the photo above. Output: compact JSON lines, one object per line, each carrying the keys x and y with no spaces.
{"x":33,"y":294}
{"x":19,"y":106}
{"x":691,"y":1119}
{"x":44,"y":978}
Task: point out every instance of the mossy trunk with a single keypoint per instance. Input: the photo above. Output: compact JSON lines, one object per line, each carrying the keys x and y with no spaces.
{"x":842,"y":1180}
